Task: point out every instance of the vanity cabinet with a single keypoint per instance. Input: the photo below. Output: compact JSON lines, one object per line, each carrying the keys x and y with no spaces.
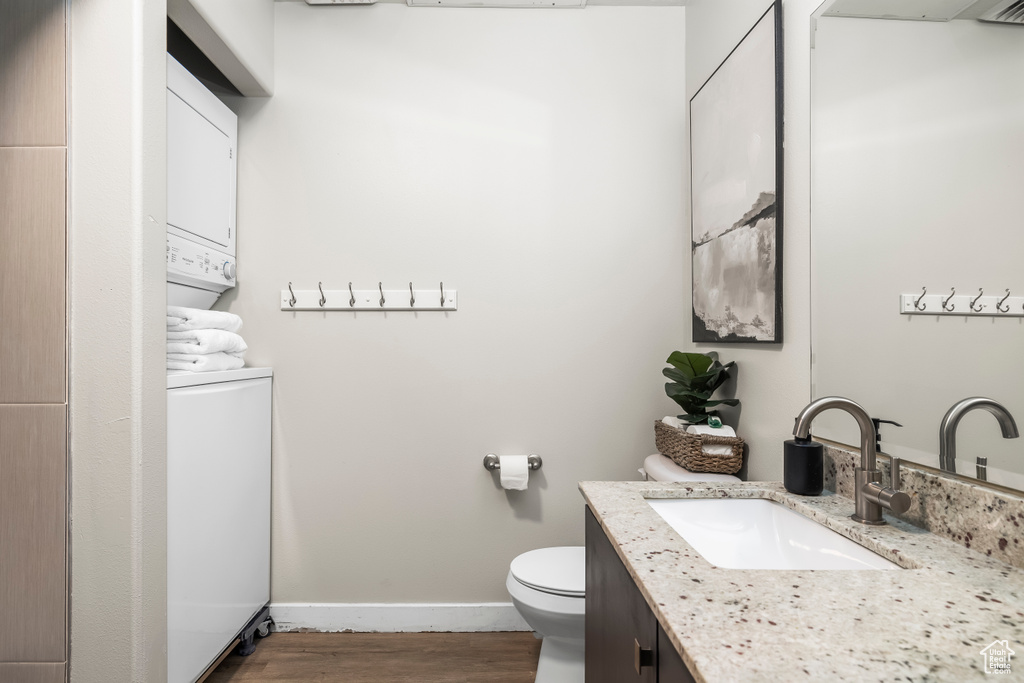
{"x":624,"y":641}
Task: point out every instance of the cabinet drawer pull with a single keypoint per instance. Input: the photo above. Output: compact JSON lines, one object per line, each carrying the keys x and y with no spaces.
{"x":641,"y":657}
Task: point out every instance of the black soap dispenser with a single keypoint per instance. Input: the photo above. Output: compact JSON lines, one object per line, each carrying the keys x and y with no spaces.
{"x":804,"y":467}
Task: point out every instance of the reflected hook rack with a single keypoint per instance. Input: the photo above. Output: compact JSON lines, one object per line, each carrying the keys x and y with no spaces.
{"x":963,"y":305}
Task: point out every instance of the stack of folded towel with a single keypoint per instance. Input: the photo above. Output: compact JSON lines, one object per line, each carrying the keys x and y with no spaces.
{"x":203,"y":341}
{"x":717,"y":449}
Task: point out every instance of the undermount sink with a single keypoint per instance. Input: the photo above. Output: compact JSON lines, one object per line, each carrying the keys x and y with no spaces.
{"x":754,"y":533}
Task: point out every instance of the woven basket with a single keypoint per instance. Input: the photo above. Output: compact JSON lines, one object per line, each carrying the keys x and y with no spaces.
{"x":687,"y":450}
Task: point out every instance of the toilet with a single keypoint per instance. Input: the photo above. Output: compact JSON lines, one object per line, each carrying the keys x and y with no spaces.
{"x":547,"y":587}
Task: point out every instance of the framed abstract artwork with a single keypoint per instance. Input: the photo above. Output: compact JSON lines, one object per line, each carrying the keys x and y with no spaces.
{"x":736,"y":192}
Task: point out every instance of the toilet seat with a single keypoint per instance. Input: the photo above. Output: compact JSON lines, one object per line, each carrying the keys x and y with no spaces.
{"x":558,"y":571}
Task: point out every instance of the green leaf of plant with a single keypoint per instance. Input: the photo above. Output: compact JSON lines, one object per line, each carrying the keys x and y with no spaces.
{"x":676,"y":376}
{"x":674,"y":390}
{"x":719,"y":381}
{"x":724,"y":401}
{"x":713,"y":371}
{"x":690,"y":364}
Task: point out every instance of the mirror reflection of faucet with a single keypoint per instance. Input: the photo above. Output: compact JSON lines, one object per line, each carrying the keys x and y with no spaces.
{"x":947,"y":431}
{"x":869,"y":494}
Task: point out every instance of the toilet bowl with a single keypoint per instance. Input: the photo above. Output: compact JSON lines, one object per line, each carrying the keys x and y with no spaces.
{"x":547,"y":589}
{"x":548,"y":586}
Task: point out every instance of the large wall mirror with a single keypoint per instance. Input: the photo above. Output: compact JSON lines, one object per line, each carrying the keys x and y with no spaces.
{"x":918,"y":182}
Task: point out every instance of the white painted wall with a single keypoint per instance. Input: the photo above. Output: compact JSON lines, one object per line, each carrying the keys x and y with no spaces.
{"x":534,"y":160}
{"x":918,"y":167}
{"x":772,"y":381}
{"x":117,"y":401}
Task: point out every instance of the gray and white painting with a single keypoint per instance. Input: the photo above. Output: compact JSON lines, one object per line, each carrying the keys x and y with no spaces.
{"x":734,"y":203}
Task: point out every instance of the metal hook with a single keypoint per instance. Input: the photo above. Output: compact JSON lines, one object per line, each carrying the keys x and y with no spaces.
{"x":442,"y":295}
{"x":979,"y":309}
{"x":380,"y":286}
{"x":412,"y":297}
{"x":351,"y":296}
{"x":917,"y":302}
{"x":999,"y":304}
{"x":291,"y":302}
{"x":323,"y":297}
{"x":952,"y":293}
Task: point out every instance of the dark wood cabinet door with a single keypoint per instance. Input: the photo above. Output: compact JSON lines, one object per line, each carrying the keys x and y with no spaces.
{"x":671,"y":668}
{"x":618,"y":620}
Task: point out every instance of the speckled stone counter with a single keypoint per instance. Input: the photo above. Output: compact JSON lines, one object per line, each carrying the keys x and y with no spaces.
{"x":926,"y":622}
{"x":976,"y":516}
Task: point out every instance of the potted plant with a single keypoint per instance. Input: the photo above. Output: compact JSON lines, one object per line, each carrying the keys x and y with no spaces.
{"x":695,"y":377}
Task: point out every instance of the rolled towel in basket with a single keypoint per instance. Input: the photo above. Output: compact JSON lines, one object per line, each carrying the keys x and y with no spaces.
{"x":182,"y":319}
{"x":205,"y":341}
{"x":724,"y":430}
{"x":204,"y":362}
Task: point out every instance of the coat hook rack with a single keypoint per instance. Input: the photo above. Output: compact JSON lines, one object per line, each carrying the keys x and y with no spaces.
{"x":378,"y":299}
{"x":965,"y":305}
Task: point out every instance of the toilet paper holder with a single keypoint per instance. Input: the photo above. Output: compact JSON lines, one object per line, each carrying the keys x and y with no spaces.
{"x":492,"y":463}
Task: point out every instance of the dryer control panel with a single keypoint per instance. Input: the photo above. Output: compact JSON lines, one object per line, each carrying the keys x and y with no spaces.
{"x":192,"y":264}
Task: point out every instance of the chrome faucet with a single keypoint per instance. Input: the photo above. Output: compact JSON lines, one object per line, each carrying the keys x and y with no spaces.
{"x":870,"y":495}
{"x":947,"y":431}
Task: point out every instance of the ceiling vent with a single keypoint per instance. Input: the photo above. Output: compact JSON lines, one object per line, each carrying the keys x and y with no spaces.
{"x":1008,"y":12}
{"x":906,"y":10}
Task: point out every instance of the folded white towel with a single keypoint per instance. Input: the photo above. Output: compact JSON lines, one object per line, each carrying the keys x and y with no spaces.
{"x":724,"y":430}
{"x":181,"y":319}
{"x":673,"y":421}
{"x":205,"y":341}
{"x":204,"y":362}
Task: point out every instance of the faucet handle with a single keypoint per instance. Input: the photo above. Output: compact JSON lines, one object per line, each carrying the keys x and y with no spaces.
{"x":893,"y":498}
{"x":981,"y":468}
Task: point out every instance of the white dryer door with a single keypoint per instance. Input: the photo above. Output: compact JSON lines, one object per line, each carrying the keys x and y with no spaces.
{"x":218,"y":518}
{"x":200,"y":176}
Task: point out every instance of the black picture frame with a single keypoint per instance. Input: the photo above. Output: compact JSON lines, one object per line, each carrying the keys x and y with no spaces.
{"x":736,"y":119}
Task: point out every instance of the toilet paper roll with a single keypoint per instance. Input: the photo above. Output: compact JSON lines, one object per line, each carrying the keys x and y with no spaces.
{"x":515,"y":472}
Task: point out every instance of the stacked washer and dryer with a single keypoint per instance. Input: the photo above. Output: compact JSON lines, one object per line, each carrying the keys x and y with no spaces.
{"x":218,"y":423}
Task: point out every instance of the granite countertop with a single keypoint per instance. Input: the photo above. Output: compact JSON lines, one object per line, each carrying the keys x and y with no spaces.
{"x":926,"y":622}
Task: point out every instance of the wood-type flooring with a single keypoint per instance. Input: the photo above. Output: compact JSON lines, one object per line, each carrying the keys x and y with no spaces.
{"x":385,"y":658}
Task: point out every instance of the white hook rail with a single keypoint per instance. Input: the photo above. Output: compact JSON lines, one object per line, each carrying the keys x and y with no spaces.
{"x":376,"y":299}
{"x":975,"y":304}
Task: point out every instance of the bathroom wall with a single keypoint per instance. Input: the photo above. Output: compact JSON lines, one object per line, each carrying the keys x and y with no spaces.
{"x":773,"y":381}
{"x":117,"y":370}
{"x":533,"y":160}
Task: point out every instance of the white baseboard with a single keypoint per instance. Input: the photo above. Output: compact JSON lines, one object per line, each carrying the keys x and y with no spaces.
{"x":396,"y":617}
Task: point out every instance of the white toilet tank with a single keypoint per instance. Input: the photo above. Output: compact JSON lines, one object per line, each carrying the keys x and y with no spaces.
{"x":658,"y":467}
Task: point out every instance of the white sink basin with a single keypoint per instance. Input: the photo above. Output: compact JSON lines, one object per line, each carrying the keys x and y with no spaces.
{"x":753,"y":533}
